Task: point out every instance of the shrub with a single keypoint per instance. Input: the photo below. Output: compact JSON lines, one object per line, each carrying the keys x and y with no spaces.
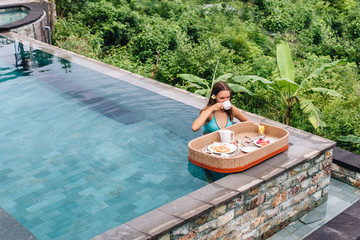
{"x":157,"y":36}
{"x":74,"y":36}
{"x":117,"y":33}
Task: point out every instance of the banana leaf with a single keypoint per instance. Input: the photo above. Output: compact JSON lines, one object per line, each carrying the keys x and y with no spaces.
{"x":203,"y":92}
{"x":194,"y":79}
{"x":326,"y":91}
{"x":194,"y":85}
{"x":350,"y":138}
{"x":238,"y":88}
{"x":313,"y":113}
{"x":318,"y":71}
{"x":285,"y":62}
{"x":224,"y":77}
{"x":287,"y":85}
{"x":246,"y":78}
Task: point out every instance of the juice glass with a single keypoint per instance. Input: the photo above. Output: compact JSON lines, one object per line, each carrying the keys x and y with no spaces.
{"x":261,"y":130}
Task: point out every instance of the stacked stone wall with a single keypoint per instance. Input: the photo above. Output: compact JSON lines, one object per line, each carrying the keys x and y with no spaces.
{"x":264,"y":210}
{"x":345,"y":175}
{"x":35,"y":30}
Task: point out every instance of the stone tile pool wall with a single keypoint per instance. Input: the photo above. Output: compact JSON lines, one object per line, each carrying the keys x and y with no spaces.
{"x":265,"y":208}
{"x":253,"y":204}
{"x":346,"y":167}
{"x":346,"y":175}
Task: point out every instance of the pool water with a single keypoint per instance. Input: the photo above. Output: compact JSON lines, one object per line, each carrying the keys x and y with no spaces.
{"x":82,"y":152}
{"x":9,"y":15}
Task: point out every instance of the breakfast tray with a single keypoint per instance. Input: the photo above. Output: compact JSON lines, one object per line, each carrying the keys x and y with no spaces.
{"x":240,"y":161}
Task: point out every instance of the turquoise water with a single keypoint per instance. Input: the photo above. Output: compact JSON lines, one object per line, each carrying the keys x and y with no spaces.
{"x":10,"y":15}
{"x":82,"y":152}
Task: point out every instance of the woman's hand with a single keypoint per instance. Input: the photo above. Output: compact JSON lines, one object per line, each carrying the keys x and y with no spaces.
{"x":204,"y":115}
{"x":217,"y":107}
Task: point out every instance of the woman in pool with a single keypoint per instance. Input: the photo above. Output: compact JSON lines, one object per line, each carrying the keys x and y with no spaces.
{"x":214,"y":117}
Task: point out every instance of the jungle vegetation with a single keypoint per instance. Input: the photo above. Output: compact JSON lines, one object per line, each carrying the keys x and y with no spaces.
{"x":168,"y":39}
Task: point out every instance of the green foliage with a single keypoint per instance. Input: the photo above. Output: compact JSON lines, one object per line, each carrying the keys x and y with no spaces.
{"x":64,"y":7}
{"x":291,"y":92}
{"x":350,"y":138}
{"x":117,"y":33}
{"x":204,"y":87}
{"x":165,"y":9}
{"x":75,"y":37}
{"x":157,"y":36}
{"x":162,"y":39}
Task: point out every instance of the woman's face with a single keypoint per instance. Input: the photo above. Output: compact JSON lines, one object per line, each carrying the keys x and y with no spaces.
{"x":223,"y":96}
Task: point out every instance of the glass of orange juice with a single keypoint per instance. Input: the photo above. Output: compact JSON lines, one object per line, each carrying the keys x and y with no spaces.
{"x":261,"y":130}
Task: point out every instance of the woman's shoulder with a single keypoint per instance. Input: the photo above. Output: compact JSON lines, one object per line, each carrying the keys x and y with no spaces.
{"x":239,"y":115}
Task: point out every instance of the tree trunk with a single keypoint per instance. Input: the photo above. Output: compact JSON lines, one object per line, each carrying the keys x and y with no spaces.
{"x":52,"y":15}
{"x":288,"y":115}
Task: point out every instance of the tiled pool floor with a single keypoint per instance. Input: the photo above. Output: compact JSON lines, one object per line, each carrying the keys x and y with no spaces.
{"x":341,"y":196}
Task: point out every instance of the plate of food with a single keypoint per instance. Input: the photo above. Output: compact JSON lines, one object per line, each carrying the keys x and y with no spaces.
{"x":220,"y":148}
{"x":262,"y":142}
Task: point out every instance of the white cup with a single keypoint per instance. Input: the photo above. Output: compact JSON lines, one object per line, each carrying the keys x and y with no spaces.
{"x":227,"y":105}
{"x":227,"y":136}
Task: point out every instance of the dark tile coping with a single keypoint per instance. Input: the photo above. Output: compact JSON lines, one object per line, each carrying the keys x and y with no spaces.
{"x":346,"y":225}
{"x":303,"y":146}
{"x":347,"y":159}
{"x":12,"y":229}
{"x":35,"y":13}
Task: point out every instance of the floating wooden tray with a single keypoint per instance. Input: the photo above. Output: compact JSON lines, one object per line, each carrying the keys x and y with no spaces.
{"x":242,"y":161}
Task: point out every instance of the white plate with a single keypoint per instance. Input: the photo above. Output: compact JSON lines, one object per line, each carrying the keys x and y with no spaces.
{"x":270,"y":139}
{"x":248,"y":149}
{"x":232,"y":148}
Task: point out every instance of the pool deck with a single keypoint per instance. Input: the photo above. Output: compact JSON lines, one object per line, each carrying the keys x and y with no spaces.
{"x":343,"y":226}
{"x":10,"y":228}
{"x":303,"y":146}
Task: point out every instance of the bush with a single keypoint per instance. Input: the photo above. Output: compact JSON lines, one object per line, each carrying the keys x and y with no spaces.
{"x":74,"y":36}
{"x":117,"y":33}
{"x":157,"y":36}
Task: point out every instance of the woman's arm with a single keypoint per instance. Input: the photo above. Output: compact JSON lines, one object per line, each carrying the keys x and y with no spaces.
{"x":205,"y":114}
{"x":239,"y":115}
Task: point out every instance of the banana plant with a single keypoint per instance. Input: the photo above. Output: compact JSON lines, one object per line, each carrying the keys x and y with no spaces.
{"x":291,"y":92}
{"x":204,"y":87}
{"x":350,"y":138}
